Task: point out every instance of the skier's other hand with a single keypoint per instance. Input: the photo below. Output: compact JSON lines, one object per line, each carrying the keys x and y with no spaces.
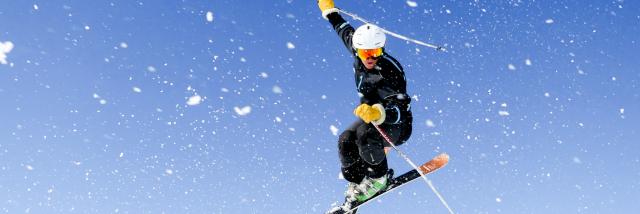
{"x":367,"y":113}
{"x":327,"y":7}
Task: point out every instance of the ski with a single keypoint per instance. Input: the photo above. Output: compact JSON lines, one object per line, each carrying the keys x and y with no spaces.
{"x":426,"y":168}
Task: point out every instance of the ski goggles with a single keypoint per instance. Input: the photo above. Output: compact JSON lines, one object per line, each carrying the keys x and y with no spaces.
{"x":366,"y":53}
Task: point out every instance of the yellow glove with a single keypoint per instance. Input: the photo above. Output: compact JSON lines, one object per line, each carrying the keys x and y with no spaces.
{"x":369,"y":113}
{"x":325,"y":4}
{"x":327,"y":7}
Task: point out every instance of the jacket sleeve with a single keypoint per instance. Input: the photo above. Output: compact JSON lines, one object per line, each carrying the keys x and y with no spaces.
{"x":396,"y":101}
{"x":343,"y":28}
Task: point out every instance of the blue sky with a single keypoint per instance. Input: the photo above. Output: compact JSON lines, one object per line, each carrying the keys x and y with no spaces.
{"x":158,"y":107}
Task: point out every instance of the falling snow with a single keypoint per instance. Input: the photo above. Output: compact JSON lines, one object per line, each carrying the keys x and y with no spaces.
{"x":276,"y":89}
{"x":151,"y":68}
{"x":5,"y":48}
{"x":242,"y":111}
{"x":194,"y":100}
{"x":334,"y":130}
{"x":209,"y":16}
{"x":430,"y":124}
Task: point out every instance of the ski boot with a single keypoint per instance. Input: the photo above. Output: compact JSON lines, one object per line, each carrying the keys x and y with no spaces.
{"x":369,"y":187}
{"x":349,"y":200}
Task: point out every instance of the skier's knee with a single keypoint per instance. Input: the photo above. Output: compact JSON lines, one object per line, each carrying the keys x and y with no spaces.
{"x":373,"y":156}
{"x":346,"y":143}
{"x":347,"y":148}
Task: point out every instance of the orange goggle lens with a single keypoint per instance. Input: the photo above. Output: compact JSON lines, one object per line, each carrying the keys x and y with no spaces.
{"x":366,"y":53}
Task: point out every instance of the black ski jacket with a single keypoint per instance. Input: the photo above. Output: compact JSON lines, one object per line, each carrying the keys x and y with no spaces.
{"x":384,"y":84}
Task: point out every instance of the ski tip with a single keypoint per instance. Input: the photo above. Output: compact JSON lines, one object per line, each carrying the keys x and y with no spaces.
{"x":435,"y":163}
{"x":443,"y":157}
{"x":441,"y":160}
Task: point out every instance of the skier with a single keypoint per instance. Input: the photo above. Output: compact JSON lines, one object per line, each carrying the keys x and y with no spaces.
{"x":381,"y":85}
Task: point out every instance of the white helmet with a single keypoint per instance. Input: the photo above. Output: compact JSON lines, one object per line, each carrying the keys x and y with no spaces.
{"x":368,"y":36}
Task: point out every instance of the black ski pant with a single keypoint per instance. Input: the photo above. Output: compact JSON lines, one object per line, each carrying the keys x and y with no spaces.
{"x":361,"y":149}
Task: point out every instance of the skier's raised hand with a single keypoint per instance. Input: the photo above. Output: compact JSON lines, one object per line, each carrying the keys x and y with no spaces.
{"x":327,"y":7}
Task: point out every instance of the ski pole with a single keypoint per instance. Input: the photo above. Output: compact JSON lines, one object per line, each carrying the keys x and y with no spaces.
{"x":406,"y":158}
{"x":437,"y":47}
